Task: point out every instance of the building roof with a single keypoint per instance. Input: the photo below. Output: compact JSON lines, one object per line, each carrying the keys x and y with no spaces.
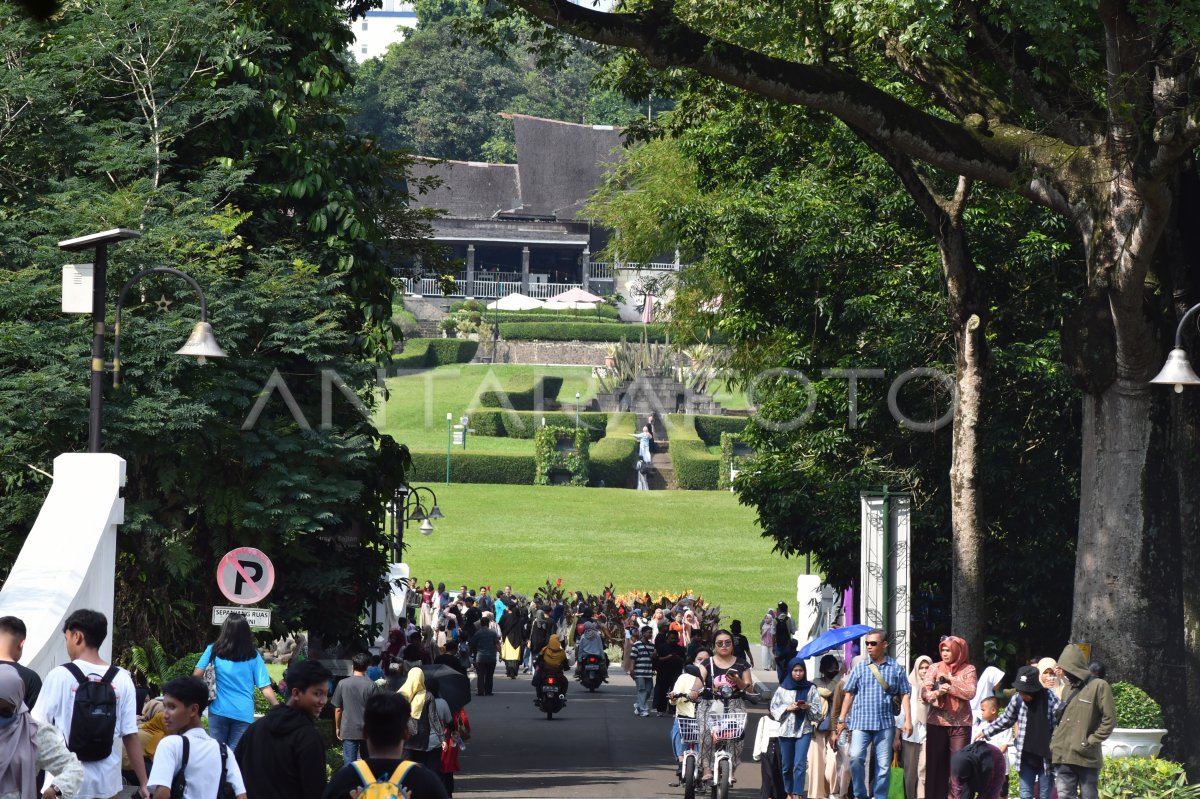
{"x":469,"y":189}
{"x":559,"y":166}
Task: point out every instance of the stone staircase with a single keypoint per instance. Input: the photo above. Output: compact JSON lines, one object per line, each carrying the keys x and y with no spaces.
{"x":662,"y":476}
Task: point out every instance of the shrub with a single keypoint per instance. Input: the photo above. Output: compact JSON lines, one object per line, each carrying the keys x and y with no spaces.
{"x":521,"y":392}
{"x":426,"y":353}
{"x":710,"y":428}
{"x":550,"y":458}
{"x":612,"y":457}
{"x":500,"y":422}
{"x":1144,"y":778}
{"x":578,"y":331}
{"x":695,"y":467}
{"x":602,"y":311}
{"x":475,"y":467}
{"x":1135,"y":708}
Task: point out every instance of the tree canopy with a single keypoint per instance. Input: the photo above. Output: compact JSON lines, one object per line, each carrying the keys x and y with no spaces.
{"x":1087,"y":110}
{"x":218,"y":132}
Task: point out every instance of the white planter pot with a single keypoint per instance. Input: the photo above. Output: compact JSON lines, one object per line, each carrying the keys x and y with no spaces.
{"x":1125,"y":742}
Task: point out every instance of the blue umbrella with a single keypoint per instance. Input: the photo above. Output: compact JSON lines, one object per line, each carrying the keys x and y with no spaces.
{"x":832,"y":639}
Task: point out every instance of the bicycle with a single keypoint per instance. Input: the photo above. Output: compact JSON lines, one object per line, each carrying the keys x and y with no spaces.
{"x":723,"y":728}
{"x":689,"y":733}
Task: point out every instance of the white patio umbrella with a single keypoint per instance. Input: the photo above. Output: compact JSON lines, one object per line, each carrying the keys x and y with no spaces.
{"x":558,"y":305}
{"x":576,"y":295}
{"x":515,"y":302}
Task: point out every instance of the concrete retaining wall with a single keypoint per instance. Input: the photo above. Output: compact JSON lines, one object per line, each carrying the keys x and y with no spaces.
{"x":572,"y":353}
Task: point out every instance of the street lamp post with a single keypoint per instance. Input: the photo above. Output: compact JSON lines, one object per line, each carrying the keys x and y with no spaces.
{"x":200,"y":344}
{"x":576,"y":410}
{"x":407,"y":507}
{"x":1177,"y":371}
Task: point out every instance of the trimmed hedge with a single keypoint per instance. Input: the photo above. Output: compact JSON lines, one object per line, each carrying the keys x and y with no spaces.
{"x":579,"y":331}
{"x":695,"y":467}
{"x":521,"y":392}
{"x":500,"y":422}
{"x":710,"y":428}
{"x":612,"y":457}
{"x":426,"y":353}
{"x":475,"y":467}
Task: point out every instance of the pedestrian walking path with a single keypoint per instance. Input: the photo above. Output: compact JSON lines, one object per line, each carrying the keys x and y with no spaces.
{"x":596,"y":747}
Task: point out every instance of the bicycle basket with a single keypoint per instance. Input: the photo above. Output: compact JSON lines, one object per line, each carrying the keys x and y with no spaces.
{"x":689,"y":730}
{"x":726,"y":726}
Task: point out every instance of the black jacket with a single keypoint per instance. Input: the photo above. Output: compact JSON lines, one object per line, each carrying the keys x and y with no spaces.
{"x":282,"y":756}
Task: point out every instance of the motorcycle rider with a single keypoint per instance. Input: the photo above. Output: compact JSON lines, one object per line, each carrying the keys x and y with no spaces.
{"x":590,"y":643}
{"x":552,"y":659}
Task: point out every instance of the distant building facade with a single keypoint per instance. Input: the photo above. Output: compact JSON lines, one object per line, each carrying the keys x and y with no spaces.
{"x":381,"y":28}
{"x":520,"y":227}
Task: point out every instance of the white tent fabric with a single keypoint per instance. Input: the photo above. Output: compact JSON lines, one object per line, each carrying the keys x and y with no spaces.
{"x":558,"y":305}
{"x":515,"y":302}
{"x":576,"y":295}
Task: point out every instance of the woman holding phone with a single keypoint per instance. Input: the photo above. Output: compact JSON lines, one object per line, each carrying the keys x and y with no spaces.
{"x":796,"y":705}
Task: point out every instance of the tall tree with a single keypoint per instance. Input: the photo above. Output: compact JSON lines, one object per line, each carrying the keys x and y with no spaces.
{"x":820,"y":265}
{"x":1088,"y":111}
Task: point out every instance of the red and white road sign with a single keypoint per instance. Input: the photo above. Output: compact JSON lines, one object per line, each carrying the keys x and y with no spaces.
{"x":245,"y":576}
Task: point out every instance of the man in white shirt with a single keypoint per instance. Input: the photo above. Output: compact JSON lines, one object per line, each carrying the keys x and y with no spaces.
{"x":85,"y":631}
{"x":184,"y":699}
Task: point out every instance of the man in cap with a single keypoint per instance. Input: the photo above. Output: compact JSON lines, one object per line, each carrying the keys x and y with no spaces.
{"x":1034,"y":710}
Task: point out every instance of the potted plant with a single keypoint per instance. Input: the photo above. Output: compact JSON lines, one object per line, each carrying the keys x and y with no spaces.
{"x":449,"y":327}
{"x":1140,"y":730}
{"x":610,"y":355}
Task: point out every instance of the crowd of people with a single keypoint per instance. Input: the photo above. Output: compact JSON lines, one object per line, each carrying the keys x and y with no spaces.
{"x":836,"y":735}
{"x":839,"y":734}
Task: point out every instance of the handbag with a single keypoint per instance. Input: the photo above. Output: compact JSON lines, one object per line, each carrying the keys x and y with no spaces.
{"x":450,"y":755}
{"x":896,"y":780}
{"x":887,"y":689}
{"x":210,"y":678}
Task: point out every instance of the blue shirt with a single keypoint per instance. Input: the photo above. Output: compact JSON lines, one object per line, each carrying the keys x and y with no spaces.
{"x":236,"y":681}
{"x":872,"y":708}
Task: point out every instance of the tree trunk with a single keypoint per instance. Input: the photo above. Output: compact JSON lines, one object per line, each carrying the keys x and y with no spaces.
{"x":966,"y":578}
{"x":1128,"y":558}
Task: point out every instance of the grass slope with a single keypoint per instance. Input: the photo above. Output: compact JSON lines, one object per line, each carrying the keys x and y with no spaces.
{"x":639,"y":541}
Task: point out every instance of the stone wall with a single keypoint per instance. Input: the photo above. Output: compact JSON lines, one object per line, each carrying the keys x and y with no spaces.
{"x":573,"y":353}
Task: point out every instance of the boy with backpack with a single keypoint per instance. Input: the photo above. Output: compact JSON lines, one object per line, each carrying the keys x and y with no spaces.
{"x":385,"y":774}
{"x":187,"y":763}
{"x":93,"y":703}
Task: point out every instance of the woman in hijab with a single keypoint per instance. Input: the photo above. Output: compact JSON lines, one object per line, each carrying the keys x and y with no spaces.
{"x":425,"y":744}
{"x":947,"y":691}
{"x":552,"y":658}
{"x":683,"y":695}
{"x":986,"y":687}
{"x":912,"y":748}
{"x":1048,"y":669}
{"x":667,"y":668}
{"x":797,"y":707}
{"x":822,"y":764}
{"x":27,"y":746}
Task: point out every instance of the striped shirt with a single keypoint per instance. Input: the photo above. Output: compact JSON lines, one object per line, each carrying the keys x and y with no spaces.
{"x":872,"y":708}
{"x":642,"y":654}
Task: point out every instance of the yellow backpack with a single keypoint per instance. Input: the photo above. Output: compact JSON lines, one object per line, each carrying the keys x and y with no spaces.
{"x":383,"y":789}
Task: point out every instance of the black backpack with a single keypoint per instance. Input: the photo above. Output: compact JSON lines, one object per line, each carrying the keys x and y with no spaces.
{"x":179,"y":781}
{"x":94,"y":718}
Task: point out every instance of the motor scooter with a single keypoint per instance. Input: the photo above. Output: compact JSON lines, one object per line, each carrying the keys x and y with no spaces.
{"x":593,"y":671}
{"x":551,"y":696}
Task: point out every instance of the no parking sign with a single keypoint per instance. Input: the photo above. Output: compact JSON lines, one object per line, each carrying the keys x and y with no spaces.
{"x":245,"y":576}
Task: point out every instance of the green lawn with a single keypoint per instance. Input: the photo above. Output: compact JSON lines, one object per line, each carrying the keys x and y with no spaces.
{"x":729,"y":398}
{"x":639,"y":541}
{"x":415,"y":413}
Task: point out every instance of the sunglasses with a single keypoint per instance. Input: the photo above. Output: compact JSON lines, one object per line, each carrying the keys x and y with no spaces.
{"x":724,"y":643}
{"x":873,"y":643}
